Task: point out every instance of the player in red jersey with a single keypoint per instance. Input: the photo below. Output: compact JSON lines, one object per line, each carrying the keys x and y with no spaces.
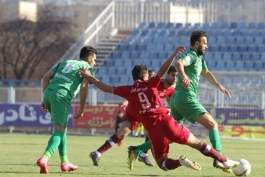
{"x":145,"y":106}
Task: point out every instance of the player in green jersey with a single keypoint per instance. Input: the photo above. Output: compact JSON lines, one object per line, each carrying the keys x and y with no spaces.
{"x":184,"y":104}
{"x":60,"y":86}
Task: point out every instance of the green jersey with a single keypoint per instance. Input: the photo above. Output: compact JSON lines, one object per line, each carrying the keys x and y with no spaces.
{"x":67,"y":80}
{"x":194,"y":65}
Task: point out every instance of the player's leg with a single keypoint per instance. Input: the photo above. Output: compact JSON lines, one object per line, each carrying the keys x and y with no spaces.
{"x":142,"y":130}
{"x":123,"y":131}
{"x":142,"y":152}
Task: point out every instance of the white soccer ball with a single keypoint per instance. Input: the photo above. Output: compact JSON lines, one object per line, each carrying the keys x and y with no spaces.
{"x":243,"y":169}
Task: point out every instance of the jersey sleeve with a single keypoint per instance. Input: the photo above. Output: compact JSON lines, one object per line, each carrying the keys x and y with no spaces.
{"x":154,"y":81}
{"x":122,"y":91}
{"x":55,"y":68}
{"x":188,"y":58}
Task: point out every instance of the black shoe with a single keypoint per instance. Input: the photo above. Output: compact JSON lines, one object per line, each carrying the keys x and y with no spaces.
{"x":145,"y":160}
{"x":94,"y":158}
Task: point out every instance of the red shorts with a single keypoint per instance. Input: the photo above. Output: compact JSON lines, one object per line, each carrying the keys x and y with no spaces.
{"x":127,"y":117}
{"x":163,"y":133}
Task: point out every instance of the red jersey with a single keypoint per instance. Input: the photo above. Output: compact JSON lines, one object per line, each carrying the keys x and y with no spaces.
{"x":165,"y":92}
{"x":145,"y":104}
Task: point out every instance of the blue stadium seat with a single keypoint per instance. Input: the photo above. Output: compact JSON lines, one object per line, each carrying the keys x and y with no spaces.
{"x":125,"y":55}
{"x":138,"y":40}
{"x":109,"y":63}
{"x":232,"y":48}
{"x":239,"y":65}
{"x":220,"y":40}
{"x":143,"y":55}
{"x":242,"y":25}
{"x":172,"y":32}
{"x":239,"y":40}
{"x":175,"y":40}
{"x":127,"y":63}
{"x":251,"y":25}
{"x":182,"y":32}
{"x":233,"y":25}
{"x":261,"y":25}
{"x":248,"y":39}
{"x":197,"y":25}
{"x":152,"y":55}
{"x":162,"y":32}
{"x":128,"y":71}
{"x":224,"y":25}
{"x":251,"y":48}
{"x":220,"y":65}
{"x":102,"y":71}
{"x":214,"y":48}
{"x":224,"y":32}
{"x":258,"y":40}
{"x":165,"y":40}
{"x":159,"y":47}
{"x":118,"y":63}
{"x":157,"y":40}
{"x":124,"y":80}
{"x":262,"y":57}
{"x":153,"y":32}
{"x":162,"y":56}
{"x":160,"y":25}
{"x":254,"y":32}
{"x":227,"y":56}
{"x":114,"y":80}
{"x":151,"y":25}
{"x":246,"y":56}
{"x":170,"y":25}
{"x":150,"y":47}
{"x":178,"y":25}
{"x":120,"y":71}
{"x":134,"y":56}
{"x":249,"y":65}
{"x":230,"y":65}
{"x":208,"y":56}
{"x":211,"y":64}
{"x":246,"y":32}
{"x":141,"y":47}
{"x":261,"y":48}
{"x":212,"y":40}
{"x":187,"y":25}
{"x":242,"y":48}
{"x":217,"y":56}
{"x":144,"y":32}
{"x":236,"y":56}
{"x":205,"y":25}
{"x":215,"y":25}
{"x":155,"y":64}
{"x":111,"y":71}
{"x":122,"y":47}
{"x":259,"y":65}
{"x":169,"y":48}
{"x":262,"y":33}
{"x":230,"y":40}
{"x":143,"y":25}
{"x":255,"y":56}
{"x":106,"y":79}
{"x":136,"y":32}
{"x":115,"y":54}
{"x":129,"y":39}
{"x":131,"y":47}
{"x":223,"y":48}
{"x":184,"y":41}
{"x":148,"y":40}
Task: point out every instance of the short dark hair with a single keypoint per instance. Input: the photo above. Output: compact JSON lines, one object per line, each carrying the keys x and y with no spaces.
{"x":138,"y":71}
{"x":87,"y":51}
{"x":172,"y":69}
{"x":151,"y":71}
{"x":196,"y":36}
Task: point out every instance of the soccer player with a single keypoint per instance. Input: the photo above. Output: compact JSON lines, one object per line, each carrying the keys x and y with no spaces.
{"x":146,"y":106}
{"x":60,"y":86}
{"x":184,"y":104}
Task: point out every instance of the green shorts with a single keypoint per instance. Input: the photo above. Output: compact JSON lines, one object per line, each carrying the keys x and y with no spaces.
{"x":58,"y":105}
{"x":185,"y":107}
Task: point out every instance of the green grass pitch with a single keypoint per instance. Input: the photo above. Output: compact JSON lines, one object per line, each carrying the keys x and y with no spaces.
{"x":19,"y":152}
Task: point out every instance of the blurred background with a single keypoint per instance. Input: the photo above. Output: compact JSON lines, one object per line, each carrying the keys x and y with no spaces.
{"x":37,"y":34}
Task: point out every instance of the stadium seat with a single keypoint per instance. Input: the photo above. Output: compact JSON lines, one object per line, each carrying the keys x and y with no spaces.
{"x":155,"y":64}
{"x":184,"y":41}
{"x":157,"y":40}
{"x":182,"y":32}
{"x":115,"y":55}
{"x":138,"y":40}
{"x":262,"y":57}
{"x":114,"y":80}
{"x":152,"y":55}
{"x":161,"y":25}
{"x":148,"y":40}
{"x":214,"y":48}
{"x":258,"y":40}
{"x":134,"y":55}
{"x":230,"y":65}
{"x":236,"y":33}
{"x":221,"y":40}
{"x":205,"y":25}
{"x":118,"y":63}
{"x":217,"y":56}
{"x":178,"y":25}
{"x":105,"y":79}
{"x":143,"y":25}
{"x":249,"y":65}
{"x":125,"y":55}
{"x":159,"y":47}
{"x":239,"y":40}
{"x":151,"y":25}
{"x":128,"y":63}
{"x":242,"y":25}
{"x":124,"y":80}
{"x":162,"y":32}
{"x":236,"y":56}
{"x":129,"y":39}
{"x":131,"y":47}
{"x":220,"y":65}
{"x":197,"y":25}
{"x":144,"y":32}
{"x":212,"y":40}
{"x":246,"y":32}
{"x":254,"y":32}
{"x":111,"y":71}
{"x":224,"y":25}
{"x":223,"y":48}
{"x":141,"y":47}
{"x":261,"y":48}
{"x":259,"y":65}
{"x":261,"y":25}
{"x":211,"y":64}
{"x":230,"y":40}
{"x":187,"y":25}
{"x":143,"y":55}
{"x":169,"y":48}
{"x":251,"y":25}
{"x":136,"y":32}
{"x":249,"y":40}
{"x":150,"y":47}
{"x":172,"y":32}
{"x":109,"y":63}
{"x":102,"y":71}
{"x":122,"y":47}
{"x":232,"y":48}
{"x":224,"y":32}
{"x":246,"y":56}
{"x":227,"y":56}
{"x":239,"y":65}
{"x":215,"y":25}
{"x":255,"y":56}
{"x":162,"y":56}
{"x":242,"y":48}
{"x":153,"y":32}
{"x":120,"y":71}
{"x":175,"y":40}
{"x":170,"y":25}
{"x":165,"y":40}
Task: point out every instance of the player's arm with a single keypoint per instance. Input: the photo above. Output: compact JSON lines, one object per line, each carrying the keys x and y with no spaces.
{"x":168,"y":100}
{"x":46,"y":79}
{"x":165,"y":66}
{"x":102,"y":86}
{"x":180,"y":64}
{"x":83,"y":95}
{"x":207,"y":75}
{"x":123,"y":104}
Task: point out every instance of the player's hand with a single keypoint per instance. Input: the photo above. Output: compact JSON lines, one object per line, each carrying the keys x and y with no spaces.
{"x":43,"y":107}
{"x":185,"y":82}
{"x":80,"y":113}
{"x":123,"y":104}
{"x":224,"y":90}
{"x":84,"y":72}
{"x":180,"y":49}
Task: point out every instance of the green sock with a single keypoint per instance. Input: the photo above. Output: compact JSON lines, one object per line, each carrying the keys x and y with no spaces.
{"x":215,"y":140}
{"x":53,"y":144}
{"x":63,"y":149}
{"x":143,"y":147}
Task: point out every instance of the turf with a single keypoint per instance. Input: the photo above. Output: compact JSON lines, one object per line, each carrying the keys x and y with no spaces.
{"x":19,"y":152}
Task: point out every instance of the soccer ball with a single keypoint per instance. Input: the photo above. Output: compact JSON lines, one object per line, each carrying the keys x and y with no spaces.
{"x":243,"y":169}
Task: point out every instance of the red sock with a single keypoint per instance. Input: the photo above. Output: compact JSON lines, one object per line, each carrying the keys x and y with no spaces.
{"x":109,"y":143}
{"x":207,"y":150}
{"x":172,"y":164}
